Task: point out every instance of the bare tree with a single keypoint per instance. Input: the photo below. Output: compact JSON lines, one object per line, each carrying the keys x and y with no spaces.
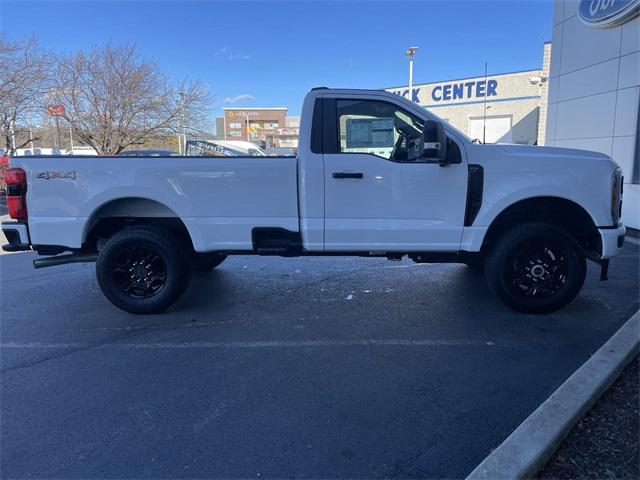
{"x":24,"y":76}
{"x":114,"y":99}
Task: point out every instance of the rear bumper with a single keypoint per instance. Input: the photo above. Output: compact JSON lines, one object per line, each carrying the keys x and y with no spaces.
{"x":612,"y":241}
{"x":17,"y":235}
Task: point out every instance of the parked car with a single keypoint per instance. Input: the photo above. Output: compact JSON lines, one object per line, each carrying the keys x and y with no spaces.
{"x":149,"y":153}
{"x":4,"y":165}
{"x":282,"y":151}
{"x":81,"y":150}
{"x":375,"y":176}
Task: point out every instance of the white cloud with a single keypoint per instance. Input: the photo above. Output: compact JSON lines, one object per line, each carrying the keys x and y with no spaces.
{"x":238,"y":56}
{"x":225,"y":52}
{"x":245,"y":97}
{"x":221,"y":52}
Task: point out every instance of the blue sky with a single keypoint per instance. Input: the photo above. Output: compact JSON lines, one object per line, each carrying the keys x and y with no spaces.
{"x":269,"y":53}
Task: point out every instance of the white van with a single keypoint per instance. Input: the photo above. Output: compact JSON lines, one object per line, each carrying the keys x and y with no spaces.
{"x":223,"y":148}
{"x":31,"y":152}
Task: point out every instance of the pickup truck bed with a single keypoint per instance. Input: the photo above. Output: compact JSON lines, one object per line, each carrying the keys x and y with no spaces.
{"x":219,"y":199}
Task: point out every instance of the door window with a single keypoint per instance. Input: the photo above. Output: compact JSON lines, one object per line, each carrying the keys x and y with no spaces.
{"x":378,"y":128}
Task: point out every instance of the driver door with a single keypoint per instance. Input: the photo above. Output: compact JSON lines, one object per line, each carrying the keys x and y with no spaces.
{"x":380,"y":195}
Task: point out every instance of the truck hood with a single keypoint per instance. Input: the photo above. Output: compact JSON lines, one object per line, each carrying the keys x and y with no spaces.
{"x":531,"y":151}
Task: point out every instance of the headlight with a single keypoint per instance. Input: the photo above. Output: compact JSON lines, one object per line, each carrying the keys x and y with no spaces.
{"x":616,"y":196}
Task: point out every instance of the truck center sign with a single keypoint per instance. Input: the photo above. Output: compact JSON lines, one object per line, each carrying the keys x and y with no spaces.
{"x":464,"y":90}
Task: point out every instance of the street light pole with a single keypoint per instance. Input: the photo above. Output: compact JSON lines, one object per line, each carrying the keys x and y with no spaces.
{"x":181,"y":127}
{"x":411,"y":51}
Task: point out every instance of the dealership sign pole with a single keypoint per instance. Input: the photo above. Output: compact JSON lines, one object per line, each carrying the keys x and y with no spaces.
{"x":484,"y":109}
{"x":56,"y":111}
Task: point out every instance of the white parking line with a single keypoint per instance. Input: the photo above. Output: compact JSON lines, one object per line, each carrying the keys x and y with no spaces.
{"x":266,"y":344}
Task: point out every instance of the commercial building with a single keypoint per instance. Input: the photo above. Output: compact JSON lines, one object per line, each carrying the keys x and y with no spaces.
{"x":288,"y":136}
{"x":507,"y":107}
{"x":267,"y":127}
{"x":594,"y":86}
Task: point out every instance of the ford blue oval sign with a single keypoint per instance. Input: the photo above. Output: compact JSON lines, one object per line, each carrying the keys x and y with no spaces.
{"x":607,"y":13}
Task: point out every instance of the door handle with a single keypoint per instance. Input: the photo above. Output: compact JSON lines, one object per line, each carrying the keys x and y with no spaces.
{"x":347,"y":175}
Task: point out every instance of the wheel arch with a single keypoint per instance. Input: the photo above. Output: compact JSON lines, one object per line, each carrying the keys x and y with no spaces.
{"x":118,"y":213}
{"x":558,"y":211}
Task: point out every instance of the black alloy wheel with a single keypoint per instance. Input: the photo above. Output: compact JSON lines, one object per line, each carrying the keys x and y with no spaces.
{"x":140,"y":272}
{"x":143,"y":269}
{"x":535,"y":268}
{"x":539,"y":269}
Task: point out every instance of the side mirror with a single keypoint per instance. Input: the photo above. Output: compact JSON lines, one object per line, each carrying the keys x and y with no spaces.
{"x":434,"y":142}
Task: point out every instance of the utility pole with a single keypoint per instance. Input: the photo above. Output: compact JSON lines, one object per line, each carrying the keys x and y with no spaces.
{"x":181,"y":126}
{"x":484,"y":115}
{"x":56,"y":137}
{"x":411,"y":51}
{"x":31,"y":129}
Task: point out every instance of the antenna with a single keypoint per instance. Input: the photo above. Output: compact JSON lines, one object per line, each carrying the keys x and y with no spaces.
{"x":484,"y":115}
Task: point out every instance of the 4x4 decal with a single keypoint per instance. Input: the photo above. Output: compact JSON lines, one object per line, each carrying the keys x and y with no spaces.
{"x":49,"y":175}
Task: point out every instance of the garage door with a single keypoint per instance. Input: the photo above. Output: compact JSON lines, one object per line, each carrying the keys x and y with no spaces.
{"x":498,"y":129}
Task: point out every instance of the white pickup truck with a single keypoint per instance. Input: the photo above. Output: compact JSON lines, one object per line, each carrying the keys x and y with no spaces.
{"x":375,"y":176}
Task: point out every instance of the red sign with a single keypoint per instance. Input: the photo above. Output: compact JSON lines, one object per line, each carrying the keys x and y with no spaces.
{"x":55,"y":110}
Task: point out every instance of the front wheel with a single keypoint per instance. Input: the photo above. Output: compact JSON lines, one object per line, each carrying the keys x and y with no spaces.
{"x":143,"y":269}
{"x":475,"y":262}
{"x":536,"y":268}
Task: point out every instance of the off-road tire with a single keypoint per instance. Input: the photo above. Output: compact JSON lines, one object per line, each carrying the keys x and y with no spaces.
{"x":168,"y":252}
{"x":205,"y":262}
{"x":528,"y":239}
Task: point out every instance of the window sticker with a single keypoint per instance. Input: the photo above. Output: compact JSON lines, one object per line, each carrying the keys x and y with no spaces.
{"x":369,"y":132}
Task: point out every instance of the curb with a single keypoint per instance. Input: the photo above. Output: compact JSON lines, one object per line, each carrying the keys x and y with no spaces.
{"x":530,"y":445}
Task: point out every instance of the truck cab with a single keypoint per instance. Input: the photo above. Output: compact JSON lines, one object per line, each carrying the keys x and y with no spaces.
{"x":382,"y":190}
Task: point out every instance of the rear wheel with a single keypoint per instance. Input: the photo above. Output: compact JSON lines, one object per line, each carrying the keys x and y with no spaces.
{"x":143,"y":269}
{"x":536,"y":268}
{"x":205,"y":262}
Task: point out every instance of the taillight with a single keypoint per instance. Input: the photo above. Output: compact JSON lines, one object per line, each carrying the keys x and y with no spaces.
{"x":16,"y":180}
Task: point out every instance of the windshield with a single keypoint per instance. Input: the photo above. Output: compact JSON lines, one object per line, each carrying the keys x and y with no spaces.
{"x":450,"y":127}
{"x":447,"y":125}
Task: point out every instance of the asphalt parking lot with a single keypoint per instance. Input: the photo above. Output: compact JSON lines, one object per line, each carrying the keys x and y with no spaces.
{"x":271,"y":367}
